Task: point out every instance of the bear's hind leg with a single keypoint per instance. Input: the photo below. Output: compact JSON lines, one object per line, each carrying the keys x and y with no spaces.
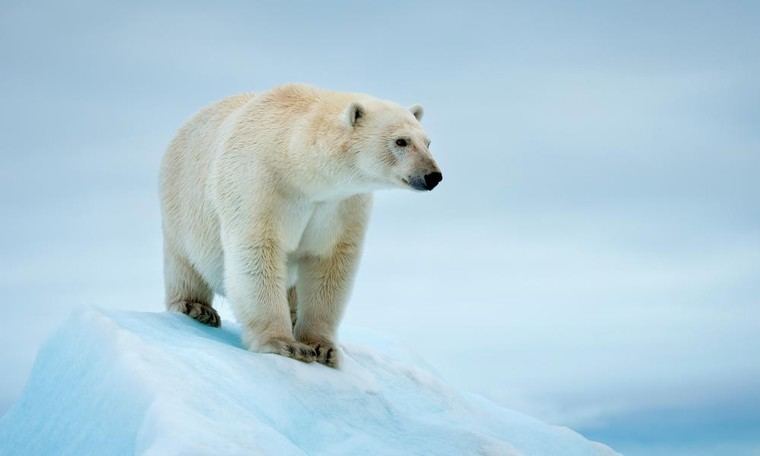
{"x":186,"y":291}
{"x":203,"y":313}
{"x":293,"y":304}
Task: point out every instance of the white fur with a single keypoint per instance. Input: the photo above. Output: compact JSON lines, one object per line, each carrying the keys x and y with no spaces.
{"x":265,"y":200}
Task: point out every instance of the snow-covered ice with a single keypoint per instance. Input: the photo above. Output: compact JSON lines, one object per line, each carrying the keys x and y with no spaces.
{"x":162,"y":384}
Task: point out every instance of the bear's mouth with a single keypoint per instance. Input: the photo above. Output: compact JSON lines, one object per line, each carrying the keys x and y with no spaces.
{"x":408,"y":183}
{"x":416,"y":183}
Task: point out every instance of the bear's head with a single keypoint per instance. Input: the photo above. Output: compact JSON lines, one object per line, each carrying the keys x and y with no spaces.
{"x":390,"y":147}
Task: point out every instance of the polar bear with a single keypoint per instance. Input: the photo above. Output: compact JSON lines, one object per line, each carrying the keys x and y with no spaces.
{"x":265,"y":200}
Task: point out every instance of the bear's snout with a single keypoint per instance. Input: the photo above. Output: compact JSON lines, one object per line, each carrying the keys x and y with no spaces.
{"x":432,"y":179}
{"x":426,"y":182}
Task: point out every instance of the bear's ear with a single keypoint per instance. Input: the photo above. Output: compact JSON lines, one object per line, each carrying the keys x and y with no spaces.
{"x":417,"y":111}
{"x":354,"y":113}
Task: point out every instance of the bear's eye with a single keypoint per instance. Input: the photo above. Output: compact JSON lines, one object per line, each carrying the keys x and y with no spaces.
{"x":401,"y":142}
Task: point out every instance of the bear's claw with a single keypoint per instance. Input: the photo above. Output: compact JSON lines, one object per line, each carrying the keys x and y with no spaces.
{"x":203,"y":313}
{"x":327,"y":354}
{"x":290,"y":349}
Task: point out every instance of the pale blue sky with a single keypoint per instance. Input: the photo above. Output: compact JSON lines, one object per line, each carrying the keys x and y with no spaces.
{"x":592,"y":256}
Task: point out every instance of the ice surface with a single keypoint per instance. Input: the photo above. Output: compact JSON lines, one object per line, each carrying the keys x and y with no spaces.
{"x":162,"y":384}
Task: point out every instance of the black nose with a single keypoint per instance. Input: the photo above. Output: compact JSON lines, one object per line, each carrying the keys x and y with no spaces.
{"x":432,"y":179}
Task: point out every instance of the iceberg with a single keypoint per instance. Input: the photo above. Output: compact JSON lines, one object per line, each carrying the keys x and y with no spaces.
{"x":117,"y":382}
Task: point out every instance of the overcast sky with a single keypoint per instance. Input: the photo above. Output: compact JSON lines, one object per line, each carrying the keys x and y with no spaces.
{"x":592,"y":256}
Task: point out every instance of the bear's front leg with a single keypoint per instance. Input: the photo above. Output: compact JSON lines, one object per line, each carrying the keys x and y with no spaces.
{"x":323,"y":287}
{"x":255,"y":278}
{"x":322,"y":290}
